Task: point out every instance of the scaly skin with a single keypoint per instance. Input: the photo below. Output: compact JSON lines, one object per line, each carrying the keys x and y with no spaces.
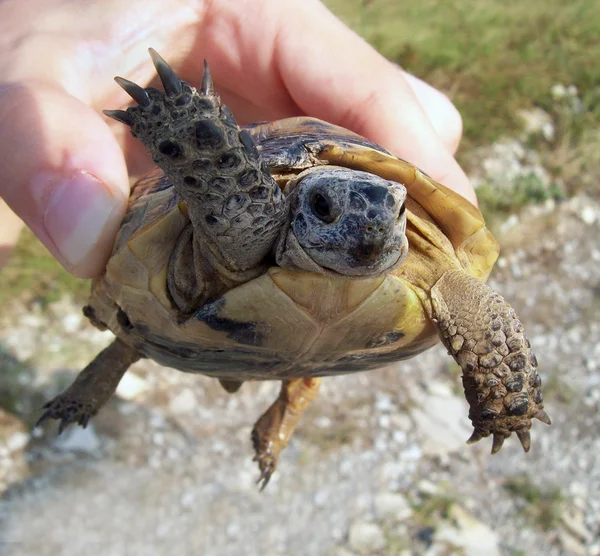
{"x":236,"y":208}
{"x":92,"y":388}
{"x":273,"y":431}
{"x":485,"y":337}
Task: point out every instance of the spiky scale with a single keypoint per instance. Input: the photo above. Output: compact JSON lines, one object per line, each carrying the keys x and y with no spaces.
{"x":63,"y":425}
{"x":136,"y":92}
{"x":497,"y":443}
{"x":474,"y":438}
{"x":525,"y":439}
{"x":207,"y":86}
{"x":119,"y":115}
{"x":543,"y":417}
{"x":171,"y":83}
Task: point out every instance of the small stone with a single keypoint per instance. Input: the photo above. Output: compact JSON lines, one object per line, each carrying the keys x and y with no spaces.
{"x":323,"y":422}
{"x":78,"y":439}
{"x":158,"y":438}
{"x":558,"y":91}
{"x":443,"y":389}
{"x":162,"y":530}
{"x":187,"y":499}
{"x":184,"y":402}
{"x":570,"y":544}
{"x":427,"y":487}
{"x":465,"y":532}
{"x":320,"y":498}
{"x":399,"y":437}
{"x":131,"y":386}
{"x":392,"y":505}
{"x":16,"y":442}
{"x":72,"y":322}
{"x":341,"y":551}
{"x":383,"y":403}
{"x":537,"y":122}
{"x":441,"y":424}
{"x":511,"y":222}
{"x":572,"y":521}
{"x":384,"y":421}
{"x":366,"y":538}
{"x":588,"y":215}
{"x":380,"y":445}
{"x":232,"y":530}
{"x":412,"y":453}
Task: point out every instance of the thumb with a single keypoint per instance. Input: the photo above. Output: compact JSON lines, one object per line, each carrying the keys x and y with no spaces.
{"x":63,"y":173}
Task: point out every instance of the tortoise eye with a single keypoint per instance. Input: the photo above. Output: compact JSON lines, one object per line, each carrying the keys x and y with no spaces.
{"x":402,"y":210}
{"x":321,"y":206}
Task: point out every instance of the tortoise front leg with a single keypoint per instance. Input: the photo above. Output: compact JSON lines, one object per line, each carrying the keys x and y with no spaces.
{"x":485,"y":337}
{"x":236,"y":208}
{"x":273,"y":431}
{"x":92,"y":388}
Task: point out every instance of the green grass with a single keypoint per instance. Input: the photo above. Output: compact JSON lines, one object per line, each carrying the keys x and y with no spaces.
{"x":491,"y":57}
{"x":528,"y":189}
{"x":32,"y":274}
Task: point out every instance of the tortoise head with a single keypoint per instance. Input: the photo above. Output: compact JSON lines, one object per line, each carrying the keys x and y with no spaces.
{"x":345,"y":222}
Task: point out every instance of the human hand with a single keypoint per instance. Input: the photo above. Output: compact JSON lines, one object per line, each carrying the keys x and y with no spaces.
{"x":62,"y":167}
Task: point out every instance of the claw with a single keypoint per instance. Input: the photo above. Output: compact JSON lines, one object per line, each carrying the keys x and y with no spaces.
{"x":64,"y":423}
{"x":45,"y":416}
{"x":207,"y":86}
{"x":266,"y":465}
{"x":543,"y":417}
{"x":136,"y":92}
{"x":525,"y":439}
{"x":264,"y":478}
{"x":475,"y":437}
{"x":497,"y":444}
{"x":120,"y":116}
{"x":170,"y":81}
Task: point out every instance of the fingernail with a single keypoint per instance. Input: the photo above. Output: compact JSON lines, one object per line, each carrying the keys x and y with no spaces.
{"x":77,"y":211}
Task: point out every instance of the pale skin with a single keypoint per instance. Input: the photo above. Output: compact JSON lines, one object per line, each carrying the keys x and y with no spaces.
{"x":65,"y":169}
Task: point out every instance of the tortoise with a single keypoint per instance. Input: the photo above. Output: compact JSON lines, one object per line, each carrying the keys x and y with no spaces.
{"x":294,"y":250}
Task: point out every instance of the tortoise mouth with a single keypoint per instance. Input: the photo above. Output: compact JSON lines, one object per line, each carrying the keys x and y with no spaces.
{"x":360,"y":261}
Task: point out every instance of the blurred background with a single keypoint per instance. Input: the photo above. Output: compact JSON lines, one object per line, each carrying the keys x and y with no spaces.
{"x":379,"y":464}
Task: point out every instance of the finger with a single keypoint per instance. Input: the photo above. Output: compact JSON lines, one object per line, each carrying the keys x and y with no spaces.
{"x":10,"y":228}
{"x":333,"y":74}
{"x":442,"y":114}
{"x":62,"y":172}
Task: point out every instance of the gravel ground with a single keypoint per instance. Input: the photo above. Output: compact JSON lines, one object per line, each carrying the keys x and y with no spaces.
{"x":379,"y":464}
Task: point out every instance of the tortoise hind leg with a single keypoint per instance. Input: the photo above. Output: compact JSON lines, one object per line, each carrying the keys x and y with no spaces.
{"x":485,"y":337}
{"x":275,"y":428}
{"x":92,"y":388}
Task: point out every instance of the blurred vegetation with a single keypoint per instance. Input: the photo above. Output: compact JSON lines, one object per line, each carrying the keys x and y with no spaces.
{"x":33,"y":275}
{"x":541,"y":506}
{"x":493,"y":59}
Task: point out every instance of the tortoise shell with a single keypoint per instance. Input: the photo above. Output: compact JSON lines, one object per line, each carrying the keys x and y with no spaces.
{"x":284,"y":323}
